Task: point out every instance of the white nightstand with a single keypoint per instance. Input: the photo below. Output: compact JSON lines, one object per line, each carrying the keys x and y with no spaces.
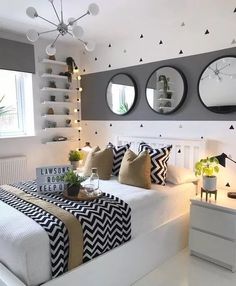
{"x":213,"y":230}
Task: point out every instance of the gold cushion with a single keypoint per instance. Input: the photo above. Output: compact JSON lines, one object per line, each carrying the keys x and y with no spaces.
{"x":100,"y":159}
{"x":135,"y":169}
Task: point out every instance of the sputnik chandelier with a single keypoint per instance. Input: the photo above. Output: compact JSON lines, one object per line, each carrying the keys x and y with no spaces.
{"x":70,"y":28}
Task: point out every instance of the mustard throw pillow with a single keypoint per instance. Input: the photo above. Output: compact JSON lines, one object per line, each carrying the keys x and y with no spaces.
{"x":135,"y":169}
{"x":100,"y":159}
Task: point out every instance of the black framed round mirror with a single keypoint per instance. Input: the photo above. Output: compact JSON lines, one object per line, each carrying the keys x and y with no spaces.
{"x":166,"y":89}
{"x":217,"y":85}
{"x":121,"y":93}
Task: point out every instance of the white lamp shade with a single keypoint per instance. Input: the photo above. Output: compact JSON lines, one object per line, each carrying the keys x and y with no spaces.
{"x":32,"y":35}
{"x":89,"y":46}
{"x":31,"y":12}
{"x":77,"y":32}
{"x":93,"y":9}
{"x":51,"y":50}
{"x":71,"y":21}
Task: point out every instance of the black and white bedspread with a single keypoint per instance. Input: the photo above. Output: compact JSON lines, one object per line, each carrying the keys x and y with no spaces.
{"x":106,"y":223}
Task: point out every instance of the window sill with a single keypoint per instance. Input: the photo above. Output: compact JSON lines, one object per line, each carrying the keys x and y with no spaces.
{"x":7,"y":137}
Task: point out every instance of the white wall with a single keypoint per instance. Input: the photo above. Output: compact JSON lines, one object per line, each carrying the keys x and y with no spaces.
{"x":192,"y":40}
{"x":39,"y":154}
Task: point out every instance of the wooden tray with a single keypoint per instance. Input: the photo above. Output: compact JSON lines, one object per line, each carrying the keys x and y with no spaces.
{"x":83,"y":196}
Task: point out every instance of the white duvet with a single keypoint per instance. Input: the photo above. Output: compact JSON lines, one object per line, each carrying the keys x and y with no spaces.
{"x":24,"y":245}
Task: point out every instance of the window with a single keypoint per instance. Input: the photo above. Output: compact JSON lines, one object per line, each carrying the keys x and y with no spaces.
{"x":16,"y":104}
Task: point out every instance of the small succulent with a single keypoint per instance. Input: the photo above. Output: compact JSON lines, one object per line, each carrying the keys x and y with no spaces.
{"x":73,"y":179}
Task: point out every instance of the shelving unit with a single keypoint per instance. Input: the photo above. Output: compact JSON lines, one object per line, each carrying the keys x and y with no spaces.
{"x":58,"y":89}
{"x":52,"y":62}
{"x":59,"y":117}
{"x":54,"y":76}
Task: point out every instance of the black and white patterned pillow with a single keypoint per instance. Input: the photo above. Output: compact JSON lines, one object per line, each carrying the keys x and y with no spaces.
{"x":159,"y":159}
{"x":118,"y":154}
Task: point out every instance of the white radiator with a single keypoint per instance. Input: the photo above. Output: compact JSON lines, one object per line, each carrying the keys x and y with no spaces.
{"x":13,"y":169}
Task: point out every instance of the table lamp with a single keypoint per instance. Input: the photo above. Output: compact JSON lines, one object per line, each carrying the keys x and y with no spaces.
{"x":222,"y":161}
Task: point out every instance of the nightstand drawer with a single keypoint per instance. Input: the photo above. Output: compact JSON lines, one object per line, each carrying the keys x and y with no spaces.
{"x":213,"y":221}
{"x":215,"y":249}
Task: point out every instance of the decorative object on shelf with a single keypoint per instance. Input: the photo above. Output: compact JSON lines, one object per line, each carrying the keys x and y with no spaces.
{"x":73,"y":183}
{"x":50,"y":111}
{"x":51,"y":124}
{"x":52,"y":98}
{"x":67,"y":111}
{"x":166,"y":90}
{"x":49,"y":70}
{"x":52,"y":84}
{"x":74,"y":158}
{"x":67,"y":85}
{"x":68,"y":123}
{"x":59,"y":138}
{"x":217,"y":84}
{"x":208,"y":168}
{"x":66,"y":98}
{"x":222,"y":161}
{"x":50,"y":179}
{"x":62,"y":28}
{"x":121,"y":94}
{"x":52,"y":57}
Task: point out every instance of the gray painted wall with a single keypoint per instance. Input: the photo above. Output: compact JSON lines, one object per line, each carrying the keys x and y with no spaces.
{"x":93,"y":99}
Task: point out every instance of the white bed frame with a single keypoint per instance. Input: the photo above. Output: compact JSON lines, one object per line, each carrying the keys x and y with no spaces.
{"x":127,"y":263}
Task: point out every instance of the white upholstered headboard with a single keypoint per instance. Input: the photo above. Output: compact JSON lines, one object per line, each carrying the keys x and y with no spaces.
{"x":185,"y":152}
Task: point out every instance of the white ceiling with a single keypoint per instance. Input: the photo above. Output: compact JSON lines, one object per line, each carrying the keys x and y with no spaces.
{"x":123,"y":19}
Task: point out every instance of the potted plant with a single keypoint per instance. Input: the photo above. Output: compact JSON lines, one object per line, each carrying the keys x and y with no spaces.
{"x":208,"y":168}
{"x":73,"y":182}
{"x":74,"y":157}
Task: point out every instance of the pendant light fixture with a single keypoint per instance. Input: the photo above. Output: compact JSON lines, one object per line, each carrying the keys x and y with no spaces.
{"x":70,"y":28}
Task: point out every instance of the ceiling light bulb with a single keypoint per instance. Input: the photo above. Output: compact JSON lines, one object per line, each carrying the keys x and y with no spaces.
{"x":31,"y":12}
{"x":32,"y":35}
{"x":51,"y":50}
{"x":93,"y":9}
{"x":71,"y":21}
{"x":89,"y":46}
{"x":79,"y":77}
{"x":77,"y":32}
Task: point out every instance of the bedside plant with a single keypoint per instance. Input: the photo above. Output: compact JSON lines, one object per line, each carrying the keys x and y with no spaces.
{"x":73,"y":182}
{"x":74,"y":158}
{"x":208,"y":168}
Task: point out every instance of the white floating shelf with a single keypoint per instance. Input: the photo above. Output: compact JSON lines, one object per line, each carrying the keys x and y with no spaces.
{"x":47,"y":61}
{"x":57,"y":89}
{"x":56,"y":115}
{"x":60,"y":128}
{"x":58,"y":102}
{"x":65,"y":141}
{"x":165,"y":99}
{"x":57,"y":76}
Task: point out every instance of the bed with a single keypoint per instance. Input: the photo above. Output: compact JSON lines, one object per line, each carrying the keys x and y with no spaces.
{"x":159,"y":230}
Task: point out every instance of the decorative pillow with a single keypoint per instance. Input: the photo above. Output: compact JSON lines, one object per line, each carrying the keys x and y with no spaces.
{"x":118,"y":154}
{"x":178,"y":175}
{"x":135,"y":169}
{"x":100,"y":159}
{"x":159,"y":159}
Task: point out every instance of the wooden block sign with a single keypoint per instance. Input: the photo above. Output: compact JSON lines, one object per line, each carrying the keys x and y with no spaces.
{"x":50,"y":179}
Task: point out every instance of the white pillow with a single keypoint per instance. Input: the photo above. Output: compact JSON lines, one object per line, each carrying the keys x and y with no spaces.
{"x":179,"y":175}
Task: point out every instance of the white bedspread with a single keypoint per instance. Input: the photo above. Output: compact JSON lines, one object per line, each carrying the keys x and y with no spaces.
{"x":24,"y":245}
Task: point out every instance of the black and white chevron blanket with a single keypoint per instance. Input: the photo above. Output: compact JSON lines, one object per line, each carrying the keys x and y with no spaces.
{"x":106,"y":223}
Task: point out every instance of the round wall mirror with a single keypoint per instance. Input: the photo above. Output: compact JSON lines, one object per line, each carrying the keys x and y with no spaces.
{"x":166,"y":90}
{"x":217,"y":85}
{"x":121,"y":94}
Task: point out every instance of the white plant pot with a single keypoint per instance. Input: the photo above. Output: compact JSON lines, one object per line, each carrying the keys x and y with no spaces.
{"x":209,"y":183}
{"x":75,"y":164}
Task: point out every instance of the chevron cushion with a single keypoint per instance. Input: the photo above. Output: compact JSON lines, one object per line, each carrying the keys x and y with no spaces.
{"x":159,"y":159}
{"x":118,"y":154}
